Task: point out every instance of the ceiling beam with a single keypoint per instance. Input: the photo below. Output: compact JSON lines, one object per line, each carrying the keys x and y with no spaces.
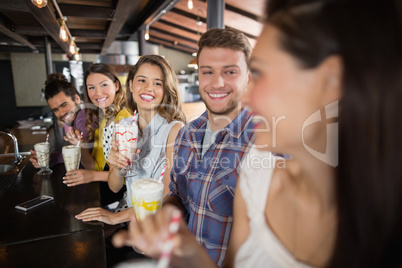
{"x":232,"y":9}
{"x":47,"y":19}
{"x":87,"y":45}
{"x":16,"y":37}
{"x":151,"y":15}
{"x":15,"y":49}
{"x":32,"y":30}
{"x":163,"y":8}
{"x":88,"y":12}
{"x":165,"y":43}
{"x":123,"y":10}
{"x":12,"y":5}
{"x":189,"y":15}
{"x":88,"y":33}
{"x":174,"y":37}
{"x":181,"y":27}
{"x":243,"y":12}
{"x":95,"y":3}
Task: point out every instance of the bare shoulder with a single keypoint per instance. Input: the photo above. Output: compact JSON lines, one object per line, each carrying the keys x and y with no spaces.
{"x":173,"y":133}
{"x":283,"y":175}
{"x":175,"y":129}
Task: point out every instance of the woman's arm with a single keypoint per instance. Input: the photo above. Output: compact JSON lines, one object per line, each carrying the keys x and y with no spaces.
{"x":86,"y":159}
{"x":241,"y":227}
{"x":103,"y":215}
{"x":169,"y":155}
{"x":82,"y":176}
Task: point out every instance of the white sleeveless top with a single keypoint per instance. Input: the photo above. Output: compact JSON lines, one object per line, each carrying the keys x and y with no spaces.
{"x":261,"y":248}
{"x":150,"y":162}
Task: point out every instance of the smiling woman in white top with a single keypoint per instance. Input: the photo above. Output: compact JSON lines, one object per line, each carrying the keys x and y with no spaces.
{"x":152,"y":90}
{"x":332,"y":70}
{"x":337,"y":203}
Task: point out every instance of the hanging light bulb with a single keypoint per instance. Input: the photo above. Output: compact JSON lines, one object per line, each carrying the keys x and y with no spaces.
{"x":63,"y":32}
{"x":73,"y":50}
{"x":39,"y":3}
{"x":190,"y":4}
{"x":146,"y":36}
{"x":193,"y":64}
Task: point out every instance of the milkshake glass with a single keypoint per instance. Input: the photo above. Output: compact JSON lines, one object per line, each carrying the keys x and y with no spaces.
{"x":126,"y":136}
{"x":71,"y":157}
{"x":146,"y":197}
{"x":42,"y":155}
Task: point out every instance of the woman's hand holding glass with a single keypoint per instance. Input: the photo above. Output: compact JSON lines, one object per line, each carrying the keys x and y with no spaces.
{"x":77,"y":177}
{"x":34,"y":159}
{"x":117,"y":159}
{"x":126,"y":138}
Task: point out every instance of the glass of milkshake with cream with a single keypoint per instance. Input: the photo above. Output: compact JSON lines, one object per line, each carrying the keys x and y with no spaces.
{"x":126,"y":136}
{"x":42,"y":155}
{"x":146,"y":197}
{"x":71,"y":157}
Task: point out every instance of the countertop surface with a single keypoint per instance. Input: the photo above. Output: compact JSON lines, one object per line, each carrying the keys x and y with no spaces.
{"x":50,"y":235}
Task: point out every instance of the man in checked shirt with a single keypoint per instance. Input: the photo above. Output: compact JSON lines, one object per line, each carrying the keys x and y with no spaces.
{"x":208,"y":152}
{"x":209,"y":149}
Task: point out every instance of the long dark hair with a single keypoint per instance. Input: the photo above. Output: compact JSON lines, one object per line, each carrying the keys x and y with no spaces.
{"x":118,"y":102}
{"x":171,"y":106}
{"x":367,"y":36}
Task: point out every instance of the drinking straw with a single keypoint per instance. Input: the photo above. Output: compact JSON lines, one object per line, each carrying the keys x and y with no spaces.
{"x":47,"y":138}
{"x":135,"y":112}
{"x":79,"y":140}
{"x":168,"y":245}
{"x":162,"y":174}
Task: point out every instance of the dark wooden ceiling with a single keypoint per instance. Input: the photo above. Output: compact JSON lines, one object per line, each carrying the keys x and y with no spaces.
{"x":95,"y":24}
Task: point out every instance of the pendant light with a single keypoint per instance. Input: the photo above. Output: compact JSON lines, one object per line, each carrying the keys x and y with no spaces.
{"x":190,"y":4}
{"x":39,"y":3}
{"x":146,"y":36}
{"x":63,"y":32}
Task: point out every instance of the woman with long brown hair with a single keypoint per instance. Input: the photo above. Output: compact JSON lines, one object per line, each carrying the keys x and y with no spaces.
{"x":152,"y":91}
{"x":105,"y":99}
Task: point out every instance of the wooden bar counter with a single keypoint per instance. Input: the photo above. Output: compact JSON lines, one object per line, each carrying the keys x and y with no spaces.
{"x":49,"y":236}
